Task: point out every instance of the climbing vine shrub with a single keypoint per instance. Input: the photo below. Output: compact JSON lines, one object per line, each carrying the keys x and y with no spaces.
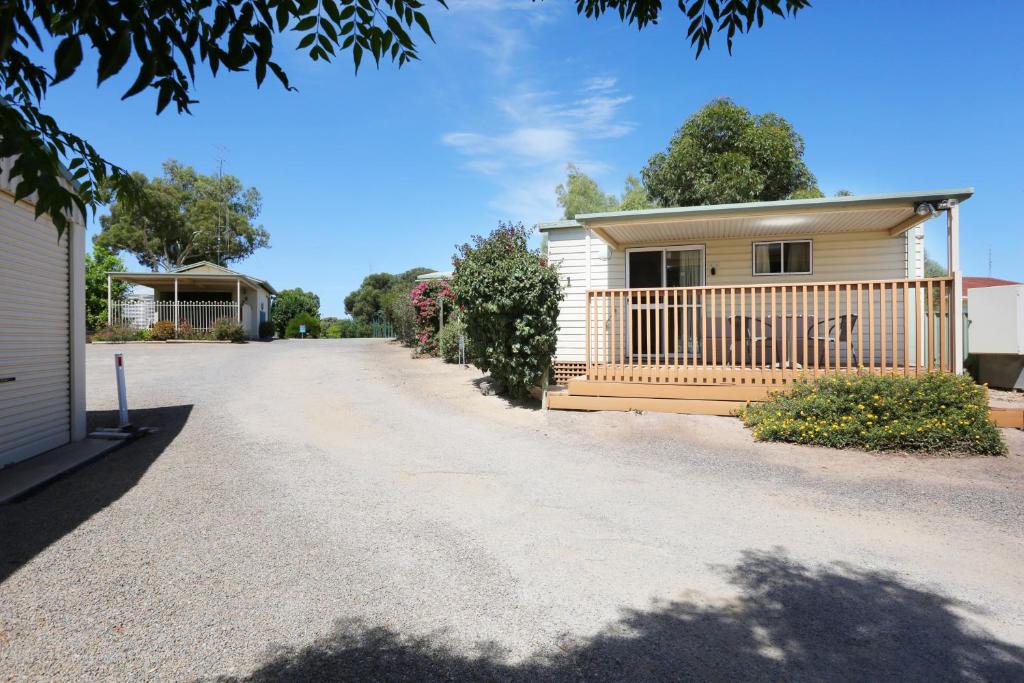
{"x":935,"y":413}
{"x":427,"y":300}
{"x":508,"y":295}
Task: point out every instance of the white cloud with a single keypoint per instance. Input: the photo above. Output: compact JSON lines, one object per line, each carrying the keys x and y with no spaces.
{"x":602,"y":83}
{"x":527,"y":159}
{"x":500,"y":30}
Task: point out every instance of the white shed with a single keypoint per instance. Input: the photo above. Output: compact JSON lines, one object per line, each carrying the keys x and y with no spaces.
{"x":42,"y":330}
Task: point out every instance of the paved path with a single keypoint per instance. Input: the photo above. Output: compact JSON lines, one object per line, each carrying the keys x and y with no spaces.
{"x":336,"y":510}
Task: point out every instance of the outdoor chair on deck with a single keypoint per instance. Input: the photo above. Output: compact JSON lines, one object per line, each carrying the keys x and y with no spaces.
{"x":749,"y":330}
{"x":832,"y":331}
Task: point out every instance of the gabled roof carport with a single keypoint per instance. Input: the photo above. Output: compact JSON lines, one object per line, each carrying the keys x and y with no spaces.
{"x":198,"y":276}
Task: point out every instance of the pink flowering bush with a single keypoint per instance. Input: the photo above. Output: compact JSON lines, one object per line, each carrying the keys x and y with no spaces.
{"x":426,"y":301}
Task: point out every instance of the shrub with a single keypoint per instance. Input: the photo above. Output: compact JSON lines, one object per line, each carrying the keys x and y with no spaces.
{"x":351,"y":329}
{"x":402,"y":314}
{"x":227,"y":329}
{"x":508,"y":296}
{"x":312,"y":324}
{"x":117,"y":333}
{"x":145,"y":334}
{"x":290,"y":303}
{"x":163,"y":330}
{"x":186,"y":331}
{"x":937,"y":413}
{"x":266,"y":329}
{"x":427,"y":300}
{"x":448,"y":339}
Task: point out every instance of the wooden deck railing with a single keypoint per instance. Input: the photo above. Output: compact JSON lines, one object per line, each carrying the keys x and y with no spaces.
{"x":761,"y":333}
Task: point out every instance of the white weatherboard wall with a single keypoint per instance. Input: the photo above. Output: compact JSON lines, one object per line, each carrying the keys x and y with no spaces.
{"x":567,"y":251}
{"x":837,"y":257}
{"x":42,"y":333}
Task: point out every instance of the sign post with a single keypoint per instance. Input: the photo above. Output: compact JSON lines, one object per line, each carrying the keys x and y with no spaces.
{"x":302,"y":331}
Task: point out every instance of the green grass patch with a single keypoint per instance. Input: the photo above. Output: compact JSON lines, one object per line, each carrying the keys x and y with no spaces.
{"x":934,"y":413}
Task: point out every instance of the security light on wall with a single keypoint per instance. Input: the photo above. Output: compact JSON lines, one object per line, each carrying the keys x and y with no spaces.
{"x":925,"y":209}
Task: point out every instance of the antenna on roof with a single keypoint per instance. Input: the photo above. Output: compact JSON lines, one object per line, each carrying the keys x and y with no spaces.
{"x":221,"y":149}
{"x":990,"y":261}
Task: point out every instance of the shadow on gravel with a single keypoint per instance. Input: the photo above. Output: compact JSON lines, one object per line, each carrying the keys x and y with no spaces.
{"x":791,"y":622}
{"x":29,"y":526}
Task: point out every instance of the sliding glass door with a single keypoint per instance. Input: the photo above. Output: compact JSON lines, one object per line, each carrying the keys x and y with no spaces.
{"x":657,"y":267}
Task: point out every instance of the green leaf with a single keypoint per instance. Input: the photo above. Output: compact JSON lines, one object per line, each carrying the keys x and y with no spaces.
{"x":163,"y":98}
{"x":305,"y":24}
{"x":424,"y":26}
{"x":146,"y":73}
{"x":114,"y":55}
{"x":67,"y":58}
{"x":332,"y":10}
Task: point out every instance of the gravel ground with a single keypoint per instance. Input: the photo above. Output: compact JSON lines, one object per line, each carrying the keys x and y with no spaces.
{"x":334,"y":510}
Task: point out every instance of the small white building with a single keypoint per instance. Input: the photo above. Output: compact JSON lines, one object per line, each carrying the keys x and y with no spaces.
{"x":42,"y":329}
{"x":198,"y":294}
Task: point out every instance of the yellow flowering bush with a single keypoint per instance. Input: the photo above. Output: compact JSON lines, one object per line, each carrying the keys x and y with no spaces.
{"x":933,"y":413}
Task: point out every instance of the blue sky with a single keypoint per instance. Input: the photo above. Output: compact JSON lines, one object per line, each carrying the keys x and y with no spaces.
{"x":390,"y":169}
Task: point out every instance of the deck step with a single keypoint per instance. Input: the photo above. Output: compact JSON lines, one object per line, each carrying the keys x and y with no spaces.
{"x":706,"y":392}
{"x":1007,"y":417}
{"x":567,"y":401}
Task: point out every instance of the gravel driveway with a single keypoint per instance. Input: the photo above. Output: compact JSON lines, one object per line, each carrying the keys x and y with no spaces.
{"x":336,"y":510}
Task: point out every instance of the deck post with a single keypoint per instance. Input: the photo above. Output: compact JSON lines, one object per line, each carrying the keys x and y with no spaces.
{"x":176,"y":315}
{"x":956,"y":309}
{"x":238,"y":299}
{"x":110,"y":302}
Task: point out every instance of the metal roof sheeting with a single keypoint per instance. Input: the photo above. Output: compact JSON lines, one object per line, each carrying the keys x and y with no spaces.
{"x":865,"y":213}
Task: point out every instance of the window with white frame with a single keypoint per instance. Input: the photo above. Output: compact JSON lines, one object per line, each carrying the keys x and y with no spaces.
{"x":788,"y":257}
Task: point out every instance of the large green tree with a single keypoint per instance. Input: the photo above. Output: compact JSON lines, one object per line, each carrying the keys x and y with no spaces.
{"x":97,"y":264}
{"x":581,"y":194}
{"x":376,"y":292}
{"x":635,"y":196}
{"x":184,"y":217}
{"x":723,"y":153}
{"x":290,"y":303}
{"x":933,"y":268}
{"x":166,"y":42}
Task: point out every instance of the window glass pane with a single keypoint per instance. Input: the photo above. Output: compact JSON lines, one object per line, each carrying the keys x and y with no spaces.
{"x":768,"y":258}
{"x":683,"y":268}
{"x":798,"y":257}
{"x":645,"y":269}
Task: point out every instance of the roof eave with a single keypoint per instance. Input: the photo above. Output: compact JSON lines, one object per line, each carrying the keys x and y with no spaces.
{"x":783,"y":206}
{"x":170,"y":275}
{"x":558,"y":225}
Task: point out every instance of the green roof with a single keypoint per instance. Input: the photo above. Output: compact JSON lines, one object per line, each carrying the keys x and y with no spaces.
{"x":783,"y":206}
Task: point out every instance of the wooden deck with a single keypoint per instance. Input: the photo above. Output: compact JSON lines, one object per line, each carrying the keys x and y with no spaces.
{"x":710,"y":350}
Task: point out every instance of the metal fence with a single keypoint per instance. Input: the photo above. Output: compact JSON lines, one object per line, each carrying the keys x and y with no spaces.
{"x":382,"y":327}
{"x":200,"y":315}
